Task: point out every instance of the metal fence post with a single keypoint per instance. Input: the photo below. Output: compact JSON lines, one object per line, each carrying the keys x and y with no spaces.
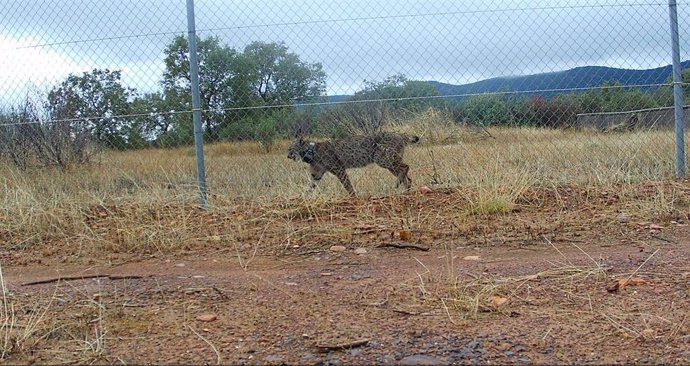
{"x":677,"y":91}
{"x":196,"y":104}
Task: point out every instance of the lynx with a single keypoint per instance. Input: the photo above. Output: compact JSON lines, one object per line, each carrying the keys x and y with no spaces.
{"x":384,"y":149}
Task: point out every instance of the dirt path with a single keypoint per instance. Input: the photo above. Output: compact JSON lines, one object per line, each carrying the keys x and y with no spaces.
{"x":387,"y":306}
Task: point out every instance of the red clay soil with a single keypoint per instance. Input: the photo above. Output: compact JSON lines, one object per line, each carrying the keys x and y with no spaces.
{"x":616,"y":293}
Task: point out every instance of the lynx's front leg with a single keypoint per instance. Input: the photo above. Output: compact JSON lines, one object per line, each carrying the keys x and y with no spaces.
{"x":317,"y":173}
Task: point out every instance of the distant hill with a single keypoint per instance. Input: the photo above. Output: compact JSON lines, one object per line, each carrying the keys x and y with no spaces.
{"x":553,"y":83}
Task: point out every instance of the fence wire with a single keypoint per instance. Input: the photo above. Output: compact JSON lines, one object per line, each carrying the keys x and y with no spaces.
{"x":512,"y":93}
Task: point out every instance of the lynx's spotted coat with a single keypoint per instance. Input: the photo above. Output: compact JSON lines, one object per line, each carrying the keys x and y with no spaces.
{"x":384,"y":149}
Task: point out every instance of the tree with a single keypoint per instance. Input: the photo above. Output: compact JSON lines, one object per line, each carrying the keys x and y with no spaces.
{"x":157,"y":116}
{"x":665,"y":94}
{"x":97,"y":103}
{"x":279,"y":77}
{"x":486,"y":110}
{"x":613,"y":96}
{"x":560,"y":111}
{"x":264,"y":74}
{"x":401,"y":96}
{"x":220,"y":81}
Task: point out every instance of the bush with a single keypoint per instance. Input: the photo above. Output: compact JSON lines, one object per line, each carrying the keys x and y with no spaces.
{"x":555,"y":113}
{"x":264,"y":127}
{"x":486,"y":110}
{"x":353,"y":119}
{"x":27,"y":139}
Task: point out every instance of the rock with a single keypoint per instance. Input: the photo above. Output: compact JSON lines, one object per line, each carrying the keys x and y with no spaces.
{"x":519,"y":348}
{"x":273,"y":359}
{"x":622,"y":218}
{"x":405,"y":235}
{"x":206,"y":317}
{"x":360,"y":251}
{"x":357,"y":276}
{"x":420,"y":360}
{"x":334,"y":361}
{"x":424,"y":190}
{"x":655,"y":227}
{"x":338,"y":248}
{"x":464,"y":353}
{"x":648,"y":333}
{"x":471,"y":258}
{"x":473,"y":344}
{"x":307,"y":358}
{"x":497,"y":301}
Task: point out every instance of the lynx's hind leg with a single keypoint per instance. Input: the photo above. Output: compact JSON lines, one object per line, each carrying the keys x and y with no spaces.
{"x":345,"y":180}
{"x":399,"y":170}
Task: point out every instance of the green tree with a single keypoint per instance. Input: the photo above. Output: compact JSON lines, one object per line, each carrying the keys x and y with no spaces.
{"x":486,"y":110}
{"x":402,"y":97}
{"x":231,"y":82}
{"x":279,"y":77}
{"x":613,"y":96}
{"x":98,"y":104}
{"x":664,"y":95}
{"x":221,"y":76}
{"x":160,"y":124}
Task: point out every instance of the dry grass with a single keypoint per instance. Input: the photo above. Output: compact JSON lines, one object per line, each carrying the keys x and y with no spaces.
{"x":462,"y":298}
{"x":73,"y":323}
{"x":145,"y":201}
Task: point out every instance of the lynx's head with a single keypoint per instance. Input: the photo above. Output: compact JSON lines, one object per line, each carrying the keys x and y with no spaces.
{"x":297,"y":148}
{"x":301,"y":149}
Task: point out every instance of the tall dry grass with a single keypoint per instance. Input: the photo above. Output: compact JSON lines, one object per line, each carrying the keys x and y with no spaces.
{"x":156,"y":187}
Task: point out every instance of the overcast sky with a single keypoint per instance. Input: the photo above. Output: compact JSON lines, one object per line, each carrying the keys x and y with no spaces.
{"x":450,"y":41}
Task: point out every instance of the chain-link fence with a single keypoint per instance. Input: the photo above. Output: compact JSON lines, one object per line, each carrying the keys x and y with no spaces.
{"x":496,"y":91}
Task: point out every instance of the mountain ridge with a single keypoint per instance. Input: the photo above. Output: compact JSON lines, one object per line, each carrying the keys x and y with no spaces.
{"x":549,"y":84}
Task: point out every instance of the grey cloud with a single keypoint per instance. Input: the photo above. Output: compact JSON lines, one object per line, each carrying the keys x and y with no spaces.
{"x":450,"y":41}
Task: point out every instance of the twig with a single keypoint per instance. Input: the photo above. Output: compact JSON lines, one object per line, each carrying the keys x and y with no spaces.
{"x":124,"y":277}
{"x":558,"y":250}
{"x":680,"y":326}
{"x":336,"y":347}
{"x":487,"y":132}
{"x":621,"y":326}
{"x":657,"y":237}
{"x":369,"y":230}
{"x":406,"y":312}
{"x":219,"y":292}
{"x":8,"y":321}
{"x":207,"y":342}
{"x":435,"y":178}
{"x":447,"y":312}
{"x":596,"y":264}
{"x":128,"y":305}
{"x":80,"y":277}
{"x":405,"y":246}
{"x":643,"y":263}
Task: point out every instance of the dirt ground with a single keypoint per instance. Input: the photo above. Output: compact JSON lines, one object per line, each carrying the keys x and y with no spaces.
{"x":558,"y":282}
